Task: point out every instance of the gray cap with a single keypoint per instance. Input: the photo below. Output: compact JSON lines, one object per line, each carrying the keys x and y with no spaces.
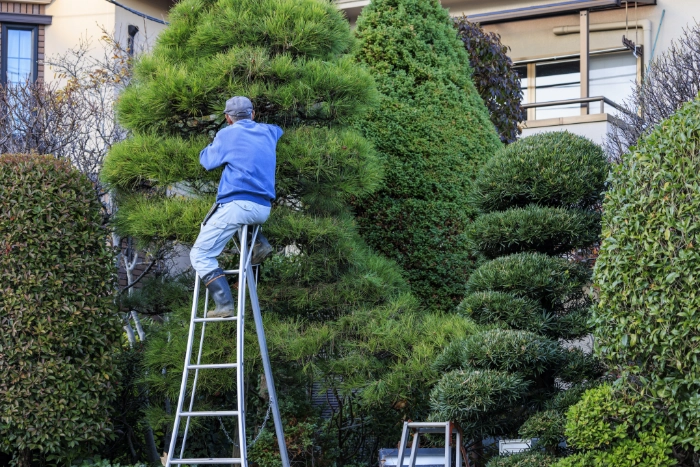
{"x":239,"y":106}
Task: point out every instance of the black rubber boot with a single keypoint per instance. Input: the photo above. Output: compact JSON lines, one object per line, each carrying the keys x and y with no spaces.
{"x":261,"y":249}
{"x":220,"y":292}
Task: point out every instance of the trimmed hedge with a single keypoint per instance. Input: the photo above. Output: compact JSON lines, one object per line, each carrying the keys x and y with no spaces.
{"x":502,"y":350}
{"x":647,"y":323}
{"x":617,"y":427}
{"x":557,"y":169}
{"x":539,"y":198}
{"x":434,"y":132}
{"x":60,"y":331}
{"x":553,"y":231}
{"x":554,"y":282}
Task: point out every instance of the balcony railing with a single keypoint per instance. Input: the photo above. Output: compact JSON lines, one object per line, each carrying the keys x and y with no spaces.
{"x":581,"y":100}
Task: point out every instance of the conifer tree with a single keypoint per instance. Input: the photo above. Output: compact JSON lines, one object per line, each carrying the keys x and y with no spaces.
{"x":324,"y":294}
{"x":434,"y":131}
{"x":539,"y":198}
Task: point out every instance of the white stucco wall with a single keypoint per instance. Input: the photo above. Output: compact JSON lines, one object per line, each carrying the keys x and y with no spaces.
{"x":76,"y":20}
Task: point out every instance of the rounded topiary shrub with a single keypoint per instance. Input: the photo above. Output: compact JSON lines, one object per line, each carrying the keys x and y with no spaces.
{"x":539,"y":199}
{"x":59,"y":329}
{"x":557,"y":169}
{"x":647,"y":323}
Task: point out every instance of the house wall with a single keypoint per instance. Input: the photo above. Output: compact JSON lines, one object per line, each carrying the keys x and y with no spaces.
{"x":76,"y":20}
{"x":535,"y":38}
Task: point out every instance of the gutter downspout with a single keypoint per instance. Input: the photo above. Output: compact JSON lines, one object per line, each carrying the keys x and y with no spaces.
{"x":645,"y":24}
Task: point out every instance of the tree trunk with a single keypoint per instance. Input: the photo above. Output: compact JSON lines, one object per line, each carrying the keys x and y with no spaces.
{"x":24,"y":458}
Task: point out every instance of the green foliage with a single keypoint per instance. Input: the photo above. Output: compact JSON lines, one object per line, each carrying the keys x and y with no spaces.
{"x":647,"y":324}
{"x":525,"y":459}
{"x":338,"y":317}
{"x":476,"y":398}
{"x":547,"y":427}
{"x":538,"y":198}
{"x":555,"y":283}
{"x":60,"y":332}
{"x":502,"y":350}
{"x":105,"y":463}
{"x":608,"y":423}
{"x":556,"y":169}
{"x":427,"y":99}
{"x":494,"y":77}
{"x":553,"y":231}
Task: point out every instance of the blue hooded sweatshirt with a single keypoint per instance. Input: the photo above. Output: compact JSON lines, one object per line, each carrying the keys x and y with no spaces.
{"x":247,"y":150}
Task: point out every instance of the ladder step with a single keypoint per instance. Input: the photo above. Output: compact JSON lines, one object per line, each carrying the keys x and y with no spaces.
{"x":212,"y":365}
{"x":223,"y":460}
{"x":212,"y":320}
{"x":211,"y":413}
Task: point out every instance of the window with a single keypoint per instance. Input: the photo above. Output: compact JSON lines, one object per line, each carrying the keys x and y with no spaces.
{"x":19,"y":53}
{"x":612,"y":75}
{"x":557,"y":81}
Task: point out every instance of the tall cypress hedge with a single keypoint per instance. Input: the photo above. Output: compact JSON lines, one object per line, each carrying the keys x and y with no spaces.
{"x":434,"y":132}
{"x":60,"y":332}
{"x":538,"y":199}
{"x":647,"y":324}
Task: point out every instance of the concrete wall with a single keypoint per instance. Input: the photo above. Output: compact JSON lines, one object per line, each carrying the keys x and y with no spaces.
{"x":595,"y":131}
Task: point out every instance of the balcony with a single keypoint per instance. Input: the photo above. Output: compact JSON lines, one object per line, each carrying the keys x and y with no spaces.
{"x":596,"y":114}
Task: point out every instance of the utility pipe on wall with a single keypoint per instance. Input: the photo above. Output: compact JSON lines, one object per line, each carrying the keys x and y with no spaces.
{"x":645,"y":24}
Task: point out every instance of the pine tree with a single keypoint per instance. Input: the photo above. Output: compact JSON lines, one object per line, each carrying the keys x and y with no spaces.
{"x":540,"y":200}
{"x":433,"y":129}
{"x":337,"y":316}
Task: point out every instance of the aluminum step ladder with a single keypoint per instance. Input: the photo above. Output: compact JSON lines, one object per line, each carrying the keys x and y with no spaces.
{"x":246,"y":278}
{"x":445,"y":428}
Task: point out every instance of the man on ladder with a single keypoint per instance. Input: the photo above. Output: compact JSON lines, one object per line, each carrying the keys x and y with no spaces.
{"x":247,"y":151}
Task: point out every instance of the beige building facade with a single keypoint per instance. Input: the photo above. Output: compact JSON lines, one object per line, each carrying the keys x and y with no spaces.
{"x":35,"y":30}
{"x":557,"y":63}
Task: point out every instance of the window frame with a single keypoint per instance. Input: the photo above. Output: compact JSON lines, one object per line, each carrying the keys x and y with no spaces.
{"x":34,"y":28}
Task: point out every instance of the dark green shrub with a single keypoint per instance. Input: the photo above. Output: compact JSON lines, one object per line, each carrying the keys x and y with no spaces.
{"x":556,"y":283}
{"x":494,"y":77}
{"x":506,"y":309}
{"x":553,"y":231}
{"x":646,"y":324}
{"x":418,"y":217}
{"x":475,"y":399}
{"x":538,"y":198}
{"x":525,"y":459}
{"x":60,"y":332}
{"x":502,"y":350}
{"x":547,"y":427}
{"x":557,"y":169}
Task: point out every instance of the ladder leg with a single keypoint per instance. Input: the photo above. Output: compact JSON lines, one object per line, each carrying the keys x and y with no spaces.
{"x":414,"y":449}
{"x":183,"y":385}
{"x":196,"y":372}
{"x":448,"y":445}
{"x":240,"y":343}
{"x":257,"y":316}
{"x":402,"y":444}
{"x":458,"y":448}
